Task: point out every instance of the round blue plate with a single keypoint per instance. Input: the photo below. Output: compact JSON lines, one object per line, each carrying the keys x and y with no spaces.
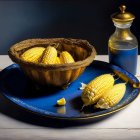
{"x":42,"y":100}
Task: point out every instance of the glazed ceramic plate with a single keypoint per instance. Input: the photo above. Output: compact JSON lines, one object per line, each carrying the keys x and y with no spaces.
{"x":42,"y":100}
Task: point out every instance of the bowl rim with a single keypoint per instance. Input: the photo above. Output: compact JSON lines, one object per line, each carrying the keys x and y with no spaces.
{"x":12,"y":54}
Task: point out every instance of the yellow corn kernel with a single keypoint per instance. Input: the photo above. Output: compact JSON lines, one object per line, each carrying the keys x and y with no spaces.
{"x":61,"y":101}
{"x":33,"y":54}
{"x":112,"y":96}
{"x":49,"y":55}
{"x":66,"y":57}
{"x":96,"y":88}
{"x":57,"y":61}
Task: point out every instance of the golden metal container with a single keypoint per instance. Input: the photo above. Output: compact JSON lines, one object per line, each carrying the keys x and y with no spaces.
{"x":60,"y":74}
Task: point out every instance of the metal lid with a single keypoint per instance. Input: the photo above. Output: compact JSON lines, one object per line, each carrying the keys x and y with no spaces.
{"x":122,"y":16}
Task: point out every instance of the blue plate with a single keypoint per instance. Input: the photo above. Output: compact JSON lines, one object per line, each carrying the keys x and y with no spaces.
{"x":42,"y":100}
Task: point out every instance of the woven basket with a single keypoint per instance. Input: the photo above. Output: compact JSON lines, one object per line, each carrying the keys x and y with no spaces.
{"x":60,"y":74}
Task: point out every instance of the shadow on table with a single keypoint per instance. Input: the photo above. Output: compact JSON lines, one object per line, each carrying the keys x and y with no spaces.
{"x":12,"y":110}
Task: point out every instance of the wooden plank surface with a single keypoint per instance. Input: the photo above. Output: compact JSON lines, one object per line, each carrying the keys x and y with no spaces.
{"x":17,"y":124}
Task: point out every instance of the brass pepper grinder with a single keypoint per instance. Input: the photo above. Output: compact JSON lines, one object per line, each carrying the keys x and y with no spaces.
{"x":123,"y":45}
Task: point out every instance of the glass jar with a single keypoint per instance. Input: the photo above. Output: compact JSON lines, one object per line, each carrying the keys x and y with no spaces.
{"x":123,"y":45}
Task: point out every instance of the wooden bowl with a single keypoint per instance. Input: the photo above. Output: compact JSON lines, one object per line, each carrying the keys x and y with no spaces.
{"x":60,"y":74}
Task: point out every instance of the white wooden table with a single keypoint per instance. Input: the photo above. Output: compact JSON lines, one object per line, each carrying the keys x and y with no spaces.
{"x":14,"y":124}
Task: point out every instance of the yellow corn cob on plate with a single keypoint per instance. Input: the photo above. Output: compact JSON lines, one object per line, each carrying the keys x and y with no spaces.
{"x":96,"y":88}
{"x":112,"y":96}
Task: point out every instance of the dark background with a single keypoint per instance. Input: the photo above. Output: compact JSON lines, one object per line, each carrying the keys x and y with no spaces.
{"x":90,"y":20}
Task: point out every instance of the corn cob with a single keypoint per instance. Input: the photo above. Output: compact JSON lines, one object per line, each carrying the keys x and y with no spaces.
{"x":33,"y":54}
{"x":57,"y":61}
{"x":49,"y":55}
{"x":96,"y":88}
{"x":65,"y":57}
{"x":112,"y":96}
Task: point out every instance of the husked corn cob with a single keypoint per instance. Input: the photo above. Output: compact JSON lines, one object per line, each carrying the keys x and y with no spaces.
{"x":96,"y":88}
{"x":57,"y":61}
{"x":112,"y":96}
{"x":33,"y":54}
{"x":49,"y":55}
{"x":65,"y":57}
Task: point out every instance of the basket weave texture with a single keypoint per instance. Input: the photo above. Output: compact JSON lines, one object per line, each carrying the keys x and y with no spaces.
{"x":60,"y":74}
